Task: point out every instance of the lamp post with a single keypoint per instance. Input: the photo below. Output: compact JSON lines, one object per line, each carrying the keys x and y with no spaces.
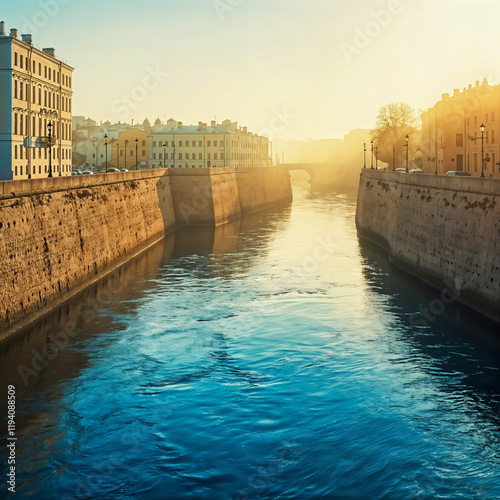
{"x":364,"y":154}
{"x":126,"y":142}
{"x":50,"y":148}
{"x":406,"y":146}
{"x":482,"y":129}
{"x":393,"y":157}
{"x":376,"y":157}
{"x":136,"y":157}
{"x":118,"y":155}
{"x":106,"y":148}
{"x":164,"y":153}
{"x":372,"y":155}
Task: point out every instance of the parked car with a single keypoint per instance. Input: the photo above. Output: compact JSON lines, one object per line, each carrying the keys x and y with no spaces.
{"x":400,"y":170}
{"x":458,"y":173}
{"x":113,"y":169}
{"x":416,"y":171}
{"x":124,"y":169}
{"x":76,"y":172}
{"x":87,"y":172}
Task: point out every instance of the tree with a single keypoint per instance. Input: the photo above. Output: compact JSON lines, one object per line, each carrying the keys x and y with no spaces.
{"x":394,"y":122}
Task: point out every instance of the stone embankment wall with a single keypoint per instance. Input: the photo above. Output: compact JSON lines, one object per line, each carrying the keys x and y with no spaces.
{"x":59,"y":235}
{"x":444,"y":230}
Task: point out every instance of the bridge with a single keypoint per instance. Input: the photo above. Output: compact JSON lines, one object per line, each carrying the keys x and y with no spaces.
{"x":315,"y":170}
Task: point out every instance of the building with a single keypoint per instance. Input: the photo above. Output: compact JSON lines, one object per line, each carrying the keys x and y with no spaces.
{"x":125,"y":148}
{"x":35,"y":102}
{"x":202,"y":146}
{"x":451,"y":134}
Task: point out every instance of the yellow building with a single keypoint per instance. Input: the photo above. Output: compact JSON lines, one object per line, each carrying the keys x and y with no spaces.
{"x":35,"y":97}
{"x":122,"y":152}
{"x":451,"y":132}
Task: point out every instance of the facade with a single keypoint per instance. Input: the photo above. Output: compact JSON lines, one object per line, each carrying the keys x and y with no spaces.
{"x":451,"y":135}
{"x":125,"y":150}
{"x":94,"y":152}
{"x":35,"y":97}
{"x":202,"y":146}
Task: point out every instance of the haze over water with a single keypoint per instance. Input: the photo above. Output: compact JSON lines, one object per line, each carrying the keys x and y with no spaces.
{"x":268,"y":358}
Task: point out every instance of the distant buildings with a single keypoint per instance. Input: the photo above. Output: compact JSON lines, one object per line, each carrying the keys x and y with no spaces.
{"x":35,"y":96}
{"x":451,"y":135}
{"x":203,"y":146}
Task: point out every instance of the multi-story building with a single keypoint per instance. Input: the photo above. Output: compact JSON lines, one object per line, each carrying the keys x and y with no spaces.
{"x":35,"y":101}
{"x":129,"y":143}
{"x":202,"y":146}
{"x":451,"y":132}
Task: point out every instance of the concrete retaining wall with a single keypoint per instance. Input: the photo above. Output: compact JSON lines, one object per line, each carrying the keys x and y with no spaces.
{"x":59,"y":235}
{"x":444,"y":230}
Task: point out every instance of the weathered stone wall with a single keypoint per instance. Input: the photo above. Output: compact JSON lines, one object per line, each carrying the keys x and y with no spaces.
{"x":59,"y":235}
{"x":444,"y":230}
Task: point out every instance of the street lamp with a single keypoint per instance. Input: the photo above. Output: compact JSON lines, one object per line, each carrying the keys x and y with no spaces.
{"x":482,"y":128}
{"x":372,"y":155}
{"x":106,"y":148}
{"x":164,"y":153}
{"x":50,"y":148}
{"x":407,"y":138}
{"x":136,"y":157}
{"x":364,"y":154}
{"x":393,"y":157}
{"x":376,"y":157}
{"x":126,"y":142}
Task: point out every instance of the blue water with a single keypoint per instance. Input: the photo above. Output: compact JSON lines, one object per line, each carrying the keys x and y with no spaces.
{"x":274,"y":357}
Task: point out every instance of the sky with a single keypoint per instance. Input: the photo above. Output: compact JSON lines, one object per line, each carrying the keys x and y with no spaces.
{"x":290,"y":69}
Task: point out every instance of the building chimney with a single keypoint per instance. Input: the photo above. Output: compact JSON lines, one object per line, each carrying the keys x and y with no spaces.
{"x":245,"y":130}
{"x":51,"y":52}
{"x":485,"y":82}
{"x":179,"y":124}
{"x":13,"y":33}
{"x":27,"y":39}
{"x":456,"y":92}
{"x":2,"y":28}
{"x":214,"y":123}
{"x":477,"y":83}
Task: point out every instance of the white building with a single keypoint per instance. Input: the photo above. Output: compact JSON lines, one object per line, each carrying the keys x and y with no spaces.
{"x":35,"y":97}
{"x":202,"y":146}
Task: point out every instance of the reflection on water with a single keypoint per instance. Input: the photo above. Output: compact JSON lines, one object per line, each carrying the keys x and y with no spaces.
{"x":272,"y":357}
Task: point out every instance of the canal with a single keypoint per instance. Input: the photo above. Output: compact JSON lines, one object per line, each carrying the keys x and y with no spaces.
{"x":274,"y":357}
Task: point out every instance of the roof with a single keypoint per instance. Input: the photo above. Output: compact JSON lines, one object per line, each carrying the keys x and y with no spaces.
{"x":193,"y":129}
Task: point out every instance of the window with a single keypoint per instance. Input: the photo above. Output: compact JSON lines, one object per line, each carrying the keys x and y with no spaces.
{"x":45,"y":71}
{"x":15,"y":89}
{"x":208,"y":156}
{"x":222,"y":156}
{"x":200,"y":156}
{"x":21,"y":124}
{"x":34,"y":66}
{"x":21,"y":86}
{"x":15,"y":152}
{"x":215,"y":156}
{"x":154,"y":156}
{"x":180,"y":156}
{"x":215,"y":144}
{"x":143,"y":152}
{"x":143,"y":143}
{"x":180,"y":144}
{"x":208,"y":143}
{"x":194,"y":144}
{"x":21,"y":60}
{"x":40,"y":69}
{"x":50,"y":73}
{"x":200,"y":144}
{"x":131,"y":152}
{"x":194,"y":156}
{"x":15,"y":58}
{"x":173,"y":144}
{"x":154,"y":144}
{"x":460,"y":140}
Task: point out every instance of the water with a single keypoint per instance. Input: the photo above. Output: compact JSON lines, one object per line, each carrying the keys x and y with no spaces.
{"x":274,"y":357}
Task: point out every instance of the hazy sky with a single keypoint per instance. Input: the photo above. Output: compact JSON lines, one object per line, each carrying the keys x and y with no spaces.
{"x":299,"y":68}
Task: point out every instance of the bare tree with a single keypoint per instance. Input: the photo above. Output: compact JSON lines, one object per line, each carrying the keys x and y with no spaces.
{"x":394,"y":122}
